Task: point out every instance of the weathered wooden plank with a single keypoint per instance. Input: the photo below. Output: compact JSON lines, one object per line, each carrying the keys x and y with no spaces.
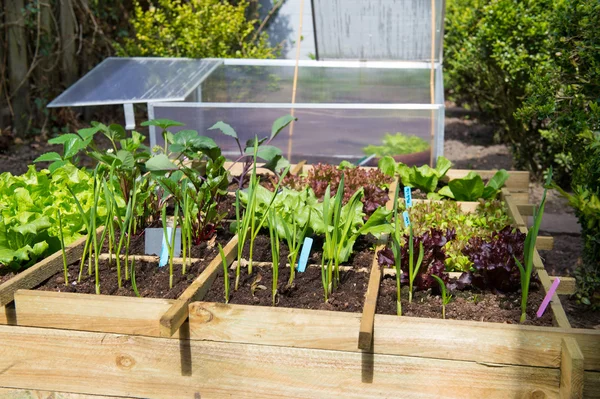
{"x":406,"y":336}
{"x":365,"y":335}
{"x":517,"y":180}
{"x":544,"y":243}
{"x":567,"y":286}
{"x":85,"y":312}
{"x":9,"y":393}
{"x":111,"y":364}
{"x":41,"y":271}
{"x":591,"y":385}
{"x":559,"y":315}
{"x":8,"y":314}
{"x":571,"y":370}
{"x":178,"y":312}
{"x":512,"y":210}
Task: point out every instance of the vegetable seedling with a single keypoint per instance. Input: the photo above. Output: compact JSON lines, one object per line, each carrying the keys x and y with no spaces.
{"x":528,"y":252}
{"x":170,"y":240}
{"x":225,"y":272}
{"x":397,"y":250}
{"x":413,"y":269}
{"x":294,"y":236}
{"x":445,"y":297}
{"x":62,"y":247}
{"x":274,"y":235}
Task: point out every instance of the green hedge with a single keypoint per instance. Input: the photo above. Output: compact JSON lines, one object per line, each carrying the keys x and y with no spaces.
{"x":533,"y":69}
{"x":196,"y":29}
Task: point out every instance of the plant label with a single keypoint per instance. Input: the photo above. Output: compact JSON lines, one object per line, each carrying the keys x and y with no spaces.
{"x":154,"y":238}
{"x":306,"y":246}
{"x":406,"y":218}
{"x":548,"y":297}
{"x":408,"y":196}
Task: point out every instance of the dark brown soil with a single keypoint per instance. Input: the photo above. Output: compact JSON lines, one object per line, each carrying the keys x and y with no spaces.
{"x":137,"y":244}
{"x":467,"y":305}
{"x":580,"y":316}
{"x":361,"y":257}
{"x":305,"y":293}
{"x":151,"y":280}
{"x":307,"y":290}
{"x":6,"y":274}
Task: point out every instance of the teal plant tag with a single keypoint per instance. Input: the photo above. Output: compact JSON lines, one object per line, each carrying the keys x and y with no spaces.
{"x":406,"y":218}
{"x":164,"y":251}
{"x":408,"y":196}
{"x":306,"y":247}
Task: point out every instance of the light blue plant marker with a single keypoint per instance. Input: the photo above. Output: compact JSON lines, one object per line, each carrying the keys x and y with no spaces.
{"x":164,"y":251}
{"x":306,"y":246}
{"x":406,"y":218}
{"x":408,"y":196}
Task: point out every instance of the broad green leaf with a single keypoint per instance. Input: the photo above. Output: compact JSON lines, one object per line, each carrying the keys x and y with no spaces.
{"x":56,"y":165}
{"x":88,"y":132}
{"x":424,"y":178}
{"x":445,"y":191}
{"x":250,"y":143}
{"x":387,"y":165}
{"x":469,"y":188}
{"x":224,"y":128}
{"x":116,"y":132}
{"x":280,"y":124}
{"x":34,"y":227}
{"x":48,"y":157}
{"x":160,"y":162}
{"x":162,"y":123}
{"x":126,"y":159}
{"x":495,"y":184}
{"x":267,"y":152}
{"x":63,"y":138}
{"x":442,"y":166}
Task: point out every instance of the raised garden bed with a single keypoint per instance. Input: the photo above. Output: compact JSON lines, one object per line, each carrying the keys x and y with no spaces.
{"x":264,"y":351}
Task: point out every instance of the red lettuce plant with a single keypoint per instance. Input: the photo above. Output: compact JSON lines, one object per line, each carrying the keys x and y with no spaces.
{"x":373,"y":181}
{"x":433,"y":258}
{"x":493,"y":258}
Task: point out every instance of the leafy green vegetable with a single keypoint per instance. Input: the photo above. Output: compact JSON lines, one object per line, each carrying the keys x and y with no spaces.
{"x":471,"y":187}
{"x":29,"y":213}
{"x":424,"y":177}
{"x":397,"y":144}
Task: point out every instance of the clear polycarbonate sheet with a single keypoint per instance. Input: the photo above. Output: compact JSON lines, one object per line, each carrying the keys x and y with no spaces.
{"x":137,"y":80}
{"x":328,"y":133}
{"x":273,"y":83}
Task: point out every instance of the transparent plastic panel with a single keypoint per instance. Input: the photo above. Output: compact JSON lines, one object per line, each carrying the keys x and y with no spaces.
{"x":137,"y":80}
{"x":320,"y":135}
{"x":274,"y":83}
{"x":378,"y":29}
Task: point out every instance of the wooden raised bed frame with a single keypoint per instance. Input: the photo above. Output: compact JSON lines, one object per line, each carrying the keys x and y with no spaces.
{"x":248,"y":351}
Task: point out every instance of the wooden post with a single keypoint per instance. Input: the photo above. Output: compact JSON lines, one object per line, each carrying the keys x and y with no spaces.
{"x":571,"y":370}
{"x":365,"y":335}
{"x":17,"y":65}
{"x":68,"y":34}
{"x":178,"y":312}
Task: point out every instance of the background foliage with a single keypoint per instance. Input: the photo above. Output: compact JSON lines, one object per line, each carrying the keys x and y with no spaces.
{"x":533,"y":68}
{"x":46,"y":45}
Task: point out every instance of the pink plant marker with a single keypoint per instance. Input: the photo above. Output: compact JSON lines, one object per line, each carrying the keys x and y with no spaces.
{"x":546,"y":300}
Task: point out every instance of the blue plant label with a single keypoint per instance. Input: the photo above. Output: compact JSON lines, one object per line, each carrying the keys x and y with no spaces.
{"x":306,"y":247}
{"x":408,"y":196}
{"x":164,"y":250}
{"x":406,"y":218}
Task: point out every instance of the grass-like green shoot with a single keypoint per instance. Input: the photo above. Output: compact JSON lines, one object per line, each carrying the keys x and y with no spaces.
{"x":294,"y":236}
{"x":225,"y":272}
{"x":170,"y":240}
{"x":413,"y":269}
{"x":445,"y":297}
{"x":396,"y":237}
{"x":274,"y":235}
{"x":529,"y":250}
{"x":62,"y":247}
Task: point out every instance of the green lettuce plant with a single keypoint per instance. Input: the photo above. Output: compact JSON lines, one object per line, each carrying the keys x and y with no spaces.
{"x":397,"y":144}
{"x":471,"y":187}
